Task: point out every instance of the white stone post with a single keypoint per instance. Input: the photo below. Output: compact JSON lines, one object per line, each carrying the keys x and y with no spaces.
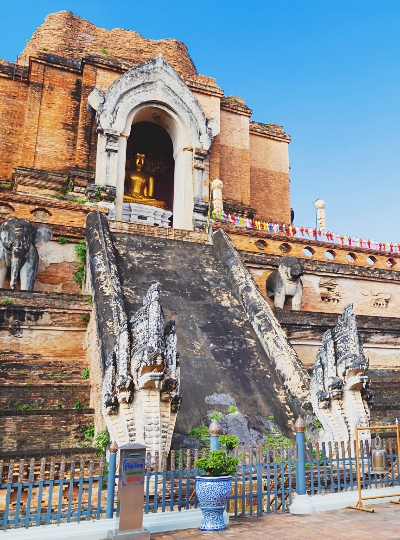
{"x":120,"y":176}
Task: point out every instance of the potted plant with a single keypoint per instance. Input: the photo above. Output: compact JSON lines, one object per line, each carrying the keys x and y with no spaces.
{"x":213,"y":488}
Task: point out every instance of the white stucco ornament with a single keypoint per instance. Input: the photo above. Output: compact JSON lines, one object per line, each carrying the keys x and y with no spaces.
{"x":216,"y":188}
{"x":340,"y":385}
{"x":154,"y":92}
{"x":320,"y":206}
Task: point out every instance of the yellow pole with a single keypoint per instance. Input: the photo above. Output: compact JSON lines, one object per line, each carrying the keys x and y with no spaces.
{"x":359,"y":505}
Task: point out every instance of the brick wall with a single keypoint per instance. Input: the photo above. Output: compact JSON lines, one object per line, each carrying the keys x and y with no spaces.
{"x":211,"y":105}
{"x":235,"y":156}
{"x":66,"y":34}
{"x":93,"y":357}
{"x":59,"y":213}
{"x":41,"y":365}
{"x":269,"y":178}
{"x":52,"y":121}
{"x":21,"y":430}
{"x":13,"y":99}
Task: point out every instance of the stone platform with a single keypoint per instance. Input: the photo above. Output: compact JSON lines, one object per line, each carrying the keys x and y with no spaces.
{"x":146,"y":214}
{"x":334,"y":524}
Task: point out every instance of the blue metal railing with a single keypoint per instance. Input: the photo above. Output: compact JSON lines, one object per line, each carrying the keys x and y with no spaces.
{"x":266,"y":481}
{"x":32,"y":503}
{"x":332,"y":471}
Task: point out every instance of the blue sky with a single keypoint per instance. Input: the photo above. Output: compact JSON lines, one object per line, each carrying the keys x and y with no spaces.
{"x":327,"y":70}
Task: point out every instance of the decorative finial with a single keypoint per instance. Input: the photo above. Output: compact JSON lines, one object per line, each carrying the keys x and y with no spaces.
{"x":113,"y":448}
{"x":214,"y":429}
{"x":299,"y":425}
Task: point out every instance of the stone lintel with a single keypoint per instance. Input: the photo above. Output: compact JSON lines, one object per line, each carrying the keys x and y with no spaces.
{"x":13,"y":71}
{"x":271,"y":131}
{"x":27,"y":180}
{"x":239,"y":208}
{"x":236,"y":105}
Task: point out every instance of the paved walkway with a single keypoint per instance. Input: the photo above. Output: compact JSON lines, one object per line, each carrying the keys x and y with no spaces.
{"x":334,"y":524}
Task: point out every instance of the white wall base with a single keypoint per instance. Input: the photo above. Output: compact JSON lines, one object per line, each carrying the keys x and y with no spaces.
{"x":335,"y":501}
{"x":98,"y":530}
{"x":302,"y":504}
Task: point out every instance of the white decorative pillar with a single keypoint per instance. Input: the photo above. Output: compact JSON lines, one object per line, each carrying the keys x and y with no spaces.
{"x":119,"y":199}
{"x":216,"y":187}
{"x":100,"y":159}
{"x":183,"y":190}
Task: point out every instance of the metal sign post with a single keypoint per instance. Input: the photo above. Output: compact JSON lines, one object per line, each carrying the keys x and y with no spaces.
{"x":359,"y":505}
{"x":132,"y":468}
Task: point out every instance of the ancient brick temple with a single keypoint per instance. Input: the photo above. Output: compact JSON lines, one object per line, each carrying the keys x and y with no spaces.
{"x":77,"y":108}
{"x":51,"y":136}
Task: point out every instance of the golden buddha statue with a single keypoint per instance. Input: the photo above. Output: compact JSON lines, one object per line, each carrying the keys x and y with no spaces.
{"x":140,"y":185}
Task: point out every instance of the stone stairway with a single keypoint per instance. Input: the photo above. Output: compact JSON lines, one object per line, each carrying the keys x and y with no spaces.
{"x":223,"y":362}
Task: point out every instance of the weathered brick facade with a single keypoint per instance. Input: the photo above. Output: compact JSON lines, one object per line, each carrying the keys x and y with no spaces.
{"x":45,"y":126}
{"x":49,"y":138}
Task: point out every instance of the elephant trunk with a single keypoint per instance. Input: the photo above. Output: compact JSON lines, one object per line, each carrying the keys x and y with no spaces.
{"x":16,"y":259}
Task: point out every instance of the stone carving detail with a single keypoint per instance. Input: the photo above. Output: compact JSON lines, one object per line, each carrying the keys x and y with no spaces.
{"x":340,"y":385}
{"x":329,"y":291}
{"x":286,"y":282}
{"x":17,"y":251}
{"x":141,"y":380}
{"x":216,"y":188}
{"x":380,"y":300}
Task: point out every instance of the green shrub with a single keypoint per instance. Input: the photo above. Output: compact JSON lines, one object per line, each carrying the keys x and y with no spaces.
{"x":62,"y":240}
{"x":7,"y":302}
{"x":85,"y":373}
{"x":85,"y":318}
{"x":89,"y":432}
{"x":216,"y":416}
{"x":217,"y":463}
{"x":78,"y":405}
{"x":101,"y":441}
{"x":229,"y":441}
{"x":199,"y":433}
{"x":103,"y":50}
{"x":232,"y":409}
{"x":80,"y":250}
{"x":317,"y":423}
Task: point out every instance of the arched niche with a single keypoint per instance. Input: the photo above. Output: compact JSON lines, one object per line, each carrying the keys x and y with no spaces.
{"x":154,"y":92}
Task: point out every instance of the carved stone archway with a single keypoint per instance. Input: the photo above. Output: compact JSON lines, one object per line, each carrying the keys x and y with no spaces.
{"x":154,"y":92}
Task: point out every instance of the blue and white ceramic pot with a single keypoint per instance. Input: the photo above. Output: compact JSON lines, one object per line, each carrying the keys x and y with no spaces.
{"x":213,"y":493}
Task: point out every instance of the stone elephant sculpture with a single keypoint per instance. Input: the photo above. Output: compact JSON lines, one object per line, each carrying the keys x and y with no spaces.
{"x":286,"y":282}
{"x":18,"y":252}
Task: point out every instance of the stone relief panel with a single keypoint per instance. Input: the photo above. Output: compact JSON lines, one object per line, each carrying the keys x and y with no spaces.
{"x":380,"y":300}
{"x":329,"y":291}
{"x":329,"y":294}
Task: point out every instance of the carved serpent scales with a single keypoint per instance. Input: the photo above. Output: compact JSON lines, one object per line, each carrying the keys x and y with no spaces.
{"x":340,"y":385}
{"x":141,"y":380}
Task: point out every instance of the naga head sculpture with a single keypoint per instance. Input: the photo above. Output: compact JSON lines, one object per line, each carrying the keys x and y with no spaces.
{"x":142,"y":378}
{"x":340,"y":386}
